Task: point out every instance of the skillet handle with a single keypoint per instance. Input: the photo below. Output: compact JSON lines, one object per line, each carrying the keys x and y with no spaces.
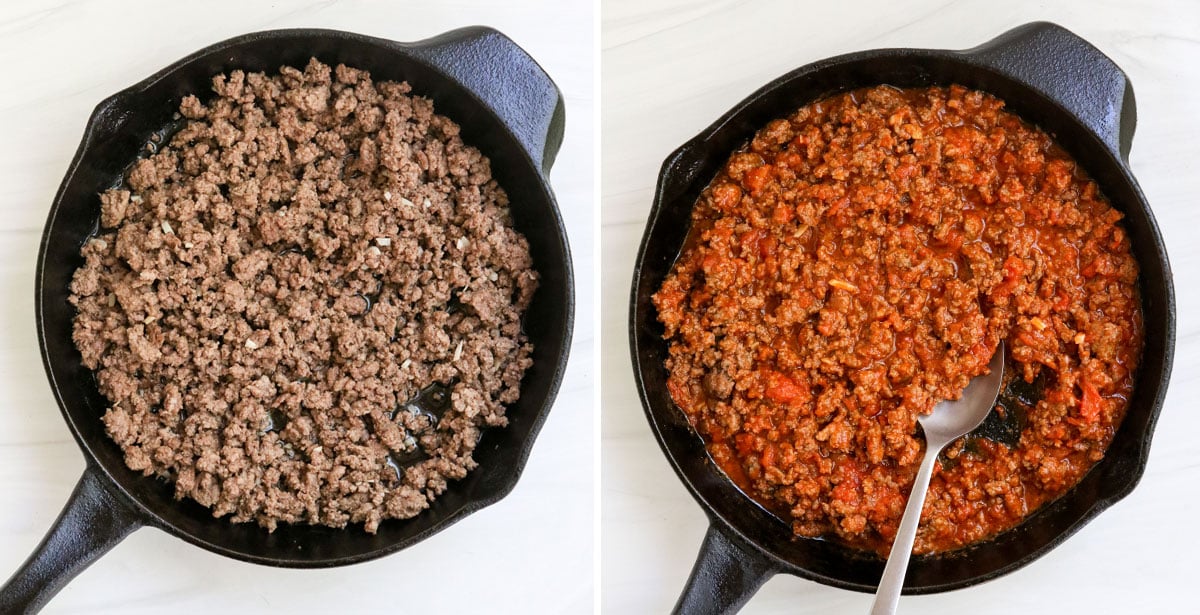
{"x":1071,"y":72}
{"x":508,"y":81}
{"x":726,"y":575}
{"x":93,"y":521}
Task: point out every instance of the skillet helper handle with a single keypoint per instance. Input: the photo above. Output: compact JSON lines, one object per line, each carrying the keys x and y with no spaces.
{"x":93,"y":521}
{"x":1071,"y":72}
{"x":726,"y":575}
{"x":509,"y":81}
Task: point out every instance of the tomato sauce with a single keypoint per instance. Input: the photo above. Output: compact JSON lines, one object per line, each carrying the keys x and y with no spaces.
{"x":859,"y":261}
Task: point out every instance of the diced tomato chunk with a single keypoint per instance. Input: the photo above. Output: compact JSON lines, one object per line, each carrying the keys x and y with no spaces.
{"x":1089,"y":409}
{"x":766,"y":247}
{"x":790,"y":159}
{"x":756,"y":179}
{"x":1013,"y":269}
{"x":744,"y":443}
{"x":751,"y":243}
{"x":770,"y":455}
{"x":782,"y":214}
{"x":784,"y":390}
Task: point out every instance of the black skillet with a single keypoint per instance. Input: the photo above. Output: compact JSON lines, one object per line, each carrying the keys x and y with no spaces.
{"x":1050,"y":77}
{"x":507,"y":106}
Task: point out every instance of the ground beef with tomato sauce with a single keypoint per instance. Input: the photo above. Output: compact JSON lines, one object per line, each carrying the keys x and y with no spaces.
{"x":859,"y":261}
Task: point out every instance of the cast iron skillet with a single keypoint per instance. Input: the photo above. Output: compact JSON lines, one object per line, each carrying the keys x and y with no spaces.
{"x":507,"y":106}
{"x":1050,"y":77}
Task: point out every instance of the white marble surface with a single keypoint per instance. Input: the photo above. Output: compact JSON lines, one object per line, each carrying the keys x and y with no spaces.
{"x":670,"y":67}
{"x":532,"y":552}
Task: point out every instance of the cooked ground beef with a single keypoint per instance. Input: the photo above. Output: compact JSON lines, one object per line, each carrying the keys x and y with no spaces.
{"x":859,"y":261}
{"x":306,"y":305}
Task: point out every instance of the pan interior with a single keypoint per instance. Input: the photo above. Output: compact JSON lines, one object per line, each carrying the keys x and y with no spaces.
{"x":690,"y":169}
{"x":123,"y":124}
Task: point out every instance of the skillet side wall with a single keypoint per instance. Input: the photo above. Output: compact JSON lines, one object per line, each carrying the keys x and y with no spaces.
{"x":122,"y":125}
{"x":684,"y":176}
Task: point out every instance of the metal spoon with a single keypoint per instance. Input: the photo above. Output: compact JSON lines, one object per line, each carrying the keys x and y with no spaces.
{"x":949,"y":421}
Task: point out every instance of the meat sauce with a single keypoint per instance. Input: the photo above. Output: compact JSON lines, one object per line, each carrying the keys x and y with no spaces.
{"x":859,"y":261}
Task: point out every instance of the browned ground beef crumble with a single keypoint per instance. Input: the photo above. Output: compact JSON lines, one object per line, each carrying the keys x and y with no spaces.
{"x":859,"y":261}
{"x":267,"y":294}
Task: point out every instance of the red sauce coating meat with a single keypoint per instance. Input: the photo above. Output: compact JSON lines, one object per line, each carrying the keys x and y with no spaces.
{"x":860,"y":261}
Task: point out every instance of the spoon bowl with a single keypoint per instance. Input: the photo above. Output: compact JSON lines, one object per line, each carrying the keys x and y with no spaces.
{"x":949,"y":421}
{"x":953,"y":419}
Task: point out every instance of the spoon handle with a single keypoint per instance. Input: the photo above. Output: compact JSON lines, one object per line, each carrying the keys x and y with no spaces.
{"x":887,"y":596}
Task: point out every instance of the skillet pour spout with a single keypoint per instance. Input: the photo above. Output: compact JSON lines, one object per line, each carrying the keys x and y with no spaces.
{"x":1051,"y":78}
{"x":507,"y":107}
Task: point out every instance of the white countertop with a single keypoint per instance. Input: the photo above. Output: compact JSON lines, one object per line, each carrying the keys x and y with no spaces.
{"x":530,"y":553}
{"x":670,"y":67}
